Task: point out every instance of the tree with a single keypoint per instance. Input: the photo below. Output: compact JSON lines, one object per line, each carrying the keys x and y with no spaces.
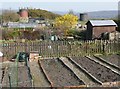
{"x":71,"y":12}
{"x":66,"y":22}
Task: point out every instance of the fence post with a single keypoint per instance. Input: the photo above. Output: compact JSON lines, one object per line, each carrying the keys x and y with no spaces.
{"x":10,"y":80}
{"x":32,"y":83}
{"x":103,"y":47}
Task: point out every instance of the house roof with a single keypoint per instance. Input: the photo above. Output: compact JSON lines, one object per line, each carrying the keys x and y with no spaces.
{"x":103,"y":23}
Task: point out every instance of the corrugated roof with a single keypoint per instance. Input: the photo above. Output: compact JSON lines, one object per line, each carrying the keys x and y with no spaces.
{"x":103,"y":23}
{"x":21,"y":25}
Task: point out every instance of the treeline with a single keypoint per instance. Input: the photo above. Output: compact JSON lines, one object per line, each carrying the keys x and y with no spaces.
{"x":34,"y":13}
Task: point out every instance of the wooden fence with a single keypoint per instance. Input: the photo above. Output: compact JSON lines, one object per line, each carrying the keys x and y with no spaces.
{"x":61,"y":48}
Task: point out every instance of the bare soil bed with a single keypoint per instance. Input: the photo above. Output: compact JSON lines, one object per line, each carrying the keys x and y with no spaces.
{"x":59,"y":74}
{"x":22,"y":78}
{"x":114,"y":59}
{"x":100,"y":72}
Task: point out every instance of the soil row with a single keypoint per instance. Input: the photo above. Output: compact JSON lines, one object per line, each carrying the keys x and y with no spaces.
{"x":100,"y":72}
{"x":114,"y":59}
{"x":59,"y":74}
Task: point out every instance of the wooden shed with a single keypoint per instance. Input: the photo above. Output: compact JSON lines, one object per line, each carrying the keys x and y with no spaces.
{"x":97,"y":28}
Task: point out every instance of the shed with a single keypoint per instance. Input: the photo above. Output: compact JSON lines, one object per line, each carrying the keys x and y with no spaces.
{"x":96,"y":28}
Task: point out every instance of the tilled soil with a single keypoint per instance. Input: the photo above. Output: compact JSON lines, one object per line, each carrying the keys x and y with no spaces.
{"x":100,"y":72}
{"x":115,"y":59}
{"x":23,"y":77}
{"x":59,"y":74}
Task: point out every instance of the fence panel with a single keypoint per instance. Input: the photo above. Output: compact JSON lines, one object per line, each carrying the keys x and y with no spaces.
{"x":62,"y":48}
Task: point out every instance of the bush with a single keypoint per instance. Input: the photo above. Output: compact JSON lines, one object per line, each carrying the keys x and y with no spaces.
{"x":77,"y":34}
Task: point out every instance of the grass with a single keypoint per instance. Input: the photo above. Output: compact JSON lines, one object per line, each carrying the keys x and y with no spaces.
{"x":6,"y":41}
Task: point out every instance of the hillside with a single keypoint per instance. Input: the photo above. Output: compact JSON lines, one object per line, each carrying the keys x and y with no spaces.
{"x":42,"y":13}
{"x":103,"y":14}
{"x":95,"y":14}
{"x":13,"y":16}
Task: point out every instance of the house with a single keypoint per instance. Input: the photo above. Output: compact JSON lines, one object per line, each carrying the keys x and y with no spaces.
{"x":98,"y":29}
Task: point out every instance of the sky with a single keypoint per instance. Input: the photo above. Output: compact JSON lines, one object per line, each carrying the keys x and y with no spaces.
{"x":59,"y":0}
{"x":57,"y":5}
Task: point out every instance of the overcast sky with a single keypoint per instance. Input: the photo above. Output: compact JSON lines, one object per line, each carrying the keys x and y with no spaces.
{"x":57,"y":5}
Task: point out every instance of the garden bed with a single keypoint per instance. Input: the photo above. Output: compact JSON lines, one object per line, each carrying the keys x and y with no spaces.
{"x":114,"y":59}
{"x":21,"y":76}
{"x":59,"y":74}
{"x":100,"y":72}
